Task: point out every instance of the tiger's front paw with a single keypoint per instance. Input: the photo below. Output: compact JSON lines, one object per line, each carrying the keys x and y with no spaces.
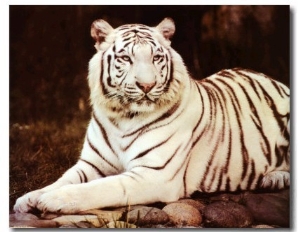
{"x":65,"y":200}
{"x":27,"y":202}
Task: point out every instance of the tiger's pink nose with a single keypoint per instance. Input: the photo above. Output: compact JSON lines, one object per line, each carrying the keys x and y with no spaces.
{"x":145,"y":87}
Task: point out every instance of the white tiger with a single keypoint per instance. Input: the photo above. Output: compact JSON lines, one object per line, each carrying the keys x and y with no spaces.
{"x":157,"y":135}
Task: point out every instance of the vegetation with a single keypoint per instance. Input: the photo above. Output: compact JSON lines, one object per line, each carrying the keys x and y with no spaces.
{"x":41,"y":152}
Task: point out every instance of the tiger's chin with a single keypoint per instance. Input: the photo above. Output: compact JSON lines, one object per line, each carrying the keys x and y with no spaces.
{"x":143,"y":106}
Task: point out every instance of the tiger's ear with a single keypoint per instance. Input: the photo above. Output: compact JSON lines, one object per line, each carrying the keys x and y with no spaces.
{"x":166,"y":28}
{"x":99,"y":30}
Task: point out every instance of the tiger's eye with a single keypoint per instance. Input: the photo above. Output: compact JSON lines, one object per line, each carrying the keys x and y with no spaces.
{"x":157,"y":57}
{"x":125,"y":58}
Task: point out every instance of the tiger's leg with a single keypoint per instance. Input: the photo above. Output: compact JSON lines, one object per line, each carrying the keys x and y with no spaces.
{"x":276,"y":180}
{"x":74,"y":175}
{"x":137,"y":187}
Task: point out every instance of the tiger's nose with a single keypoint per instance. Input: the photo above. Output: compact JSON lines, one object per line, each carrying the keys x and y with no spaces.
{"x":145,"y":87}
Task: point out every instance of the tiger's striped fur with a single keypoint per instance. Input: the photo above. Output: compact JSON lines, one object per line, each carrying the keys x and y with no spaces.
{"x":157,"y":135}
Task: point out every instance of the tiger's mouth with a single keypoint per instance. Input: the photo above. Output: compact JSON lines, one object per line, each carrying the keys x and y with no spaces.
{"x":145,"y":99}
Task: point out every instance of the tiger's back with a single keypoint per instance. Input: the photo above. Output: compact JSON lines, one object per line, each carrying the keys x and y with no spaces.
{"x":248,"y":135}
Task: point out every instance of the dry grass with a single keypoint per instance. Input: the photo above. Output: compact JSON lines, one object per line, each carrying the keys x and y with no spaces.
{"x":40,"y":153}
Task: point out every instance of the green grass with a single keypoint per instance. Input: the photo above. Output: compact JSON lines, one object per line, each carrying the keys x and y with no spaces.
{"x":40,"y":153}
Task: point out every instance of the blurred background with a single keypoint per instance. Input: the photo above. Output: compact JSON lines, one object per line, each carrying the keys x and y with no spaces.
{"x":50,"y":47}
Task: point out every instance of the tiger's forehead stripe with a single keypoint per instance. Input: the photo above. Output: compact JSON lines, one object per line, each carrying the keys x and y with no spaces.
{"x":136,"y":33}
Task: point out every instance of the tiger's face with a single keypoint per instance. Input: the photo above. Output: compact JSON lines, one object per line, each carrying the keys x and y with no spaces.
{"x":136,"y":67}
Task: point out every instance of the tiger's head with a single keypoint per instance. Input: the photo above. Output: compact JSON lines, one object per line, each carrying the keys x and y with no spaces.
{"x":133,"y":71}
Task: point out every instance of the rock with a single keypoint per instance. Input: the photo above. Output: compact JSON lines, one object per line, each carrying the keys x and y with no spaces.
{"x":89,"y":219}
{"x":227,"y":215}
{"x":119,"y":224}
{"x":182,"y":214}
{"x":262,"y":227}
{"x":68,"y":226}
{"x":196,"y":204}
{"x":144,"y":215}
{"x":76,"y":220}
{"x":235,"y":197}
{"x":22,"y":216}
{"x":33,"y":223}
{"x":105,"y":215}
{"x":269,"y":208}
{"x":49,"y":216}
{"x":27,"y":220}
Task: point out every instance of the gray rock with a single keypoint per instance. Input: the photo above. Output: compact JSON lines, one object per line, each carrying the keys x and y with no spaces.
{"x":269,"y":208}
{"x":182,"y":214}
{"x":144,"y":215}
{"x":227,"y":215}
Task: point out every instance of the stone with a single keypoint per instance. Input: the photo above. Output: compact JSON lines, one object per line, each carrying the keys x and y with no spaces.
{"x":33,"y":223}
{"x":27,"y":220}
{"x":145,"y":215}
{"x":76,"y":220}
{"x":106,"y":215}
{"x":119,"y":224}
{"x":22,"y":216}
{"x":235,"y":197}
{"x":182,"y":214}
{"x":227,"y":215}
{"x":262,"y":227}
{"x":269,"y":208}
{"x":89,"y":218}
{"x":195,"y":203}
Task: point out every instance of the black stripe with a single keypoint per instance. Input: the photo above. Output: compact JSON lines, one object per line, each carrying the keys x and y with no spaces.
{"x":224,"y":110}
{"x":200,"y":118}
{"x":221,"y":173}
{"x":140,"y":155}
{"x":249,"y":80}
{"x":94,"y":167}
{"x":280,"y":152}
{"x":252,"y":175}
{"x":187,"y":158}
{"x":225,"y":73}
{"x":213,"y":178}
{"x":145,"y":130}
{"x":109,"y":79}
{"x":209,"y":166}
{"x":79,"y":176}
{"x":228,"y":155}
{"x":165,"y":164}
{"x":104,"y":134}
{"x":99,"y":154}
{"x":161,"y":118}
{"x":228,"y":186}
{"x":259,"y":127}
{"x":237,"y":109}
{"x":184,"y":176}
{"x":267,"y":150}
{"x":84,"y":176}
{"x":105,"y":91}
{"x":218,"y":93}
